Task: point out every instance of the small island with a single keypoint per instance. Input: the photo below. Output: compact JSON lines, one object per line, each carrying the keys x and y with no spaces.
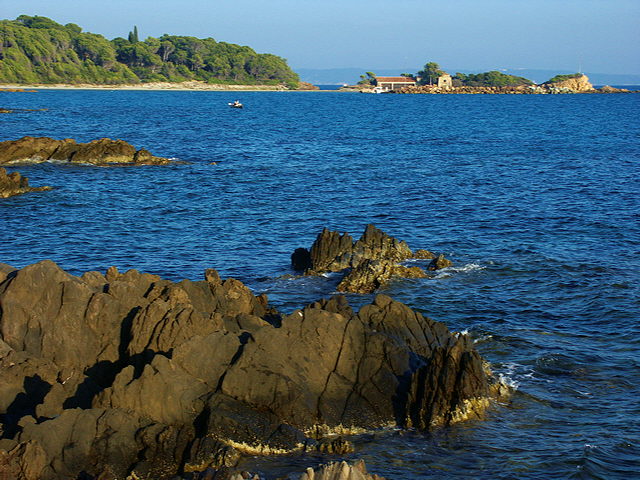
{"x":432,"y":80}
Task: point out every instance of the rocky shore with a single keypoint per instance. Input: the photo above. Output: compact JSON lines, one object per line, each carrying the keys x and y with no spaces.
{"x":120,"y":375}
{"x":578,"y":84}
{"x":366,"y":264}
{"x":100,"y":152}
{"x":15,"y":184}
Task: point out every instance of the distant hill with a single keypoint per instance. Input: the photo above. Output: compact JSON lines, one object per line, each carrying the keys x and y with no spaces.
{"x":39,"y":50}
{"x":338,"y":76}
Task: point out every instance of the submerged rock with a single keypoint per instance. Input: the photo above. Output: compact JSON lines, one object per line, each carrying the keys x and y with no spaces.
{"x":368,"y":263}
{"x":127,"y":373}
{"x":98,"y":152}
{"x":15,"y":184}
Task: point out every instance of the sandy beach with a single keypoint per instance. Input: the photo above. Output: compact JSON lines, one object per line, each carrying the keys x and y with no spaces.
{"x":187,"y":86}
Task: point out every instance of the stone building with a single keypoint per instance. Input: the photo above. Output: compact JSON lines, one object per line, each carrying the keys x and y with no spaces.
{"x":445,"y":81}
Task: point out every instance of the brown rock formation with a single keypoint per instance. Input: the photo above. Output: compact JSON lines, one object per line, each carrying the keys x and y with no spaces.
{"x":370,"y":262}
{"x":307,"y":86}
{"x":129,"y":373}
{"x":578,"y":84}
{"x":98,"y":152}
{"x":339,"y":471}
{"x":15,"y":184}
{"x":609,"y":89}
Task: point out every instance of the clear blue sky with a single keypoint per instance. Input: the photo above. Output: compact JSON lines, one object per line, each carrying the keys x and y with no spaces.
{"x":600,"y":35}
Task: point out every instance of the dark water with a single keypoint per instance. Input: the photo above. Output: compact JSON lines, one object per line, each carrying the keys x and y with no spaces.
{"x":535,"y":198}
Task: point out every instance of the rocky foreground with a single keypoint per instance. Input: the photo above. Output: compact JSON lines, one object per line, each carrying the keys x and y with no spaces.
{"x":366,"y":264}
{"x":127,"y":374}
{"x":15,"y":184}
{"x":100,"y":152}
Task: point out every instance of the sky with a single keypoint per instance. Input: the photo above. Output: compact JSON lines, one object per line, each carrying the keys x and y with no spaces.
{"x":566,"y":35}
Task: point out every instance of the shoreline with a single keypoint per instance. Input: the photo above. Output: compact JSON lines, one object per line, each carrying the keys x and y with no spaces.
{"x":153,"y":86}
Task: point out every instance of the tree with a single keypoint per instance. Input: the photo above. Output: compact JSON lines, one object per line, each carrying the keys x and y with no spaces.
{"x":562,"y":78}
{"x":430,"y":74}
{"x":368,"y":79}
{"x":490,"y":79}
{"x":133,"y":36}
{"x":39,"y":50}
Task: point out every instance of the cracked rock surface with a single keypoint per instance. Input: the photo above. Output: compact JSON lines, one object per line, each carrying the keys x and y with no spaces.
{"x":120,"y":373}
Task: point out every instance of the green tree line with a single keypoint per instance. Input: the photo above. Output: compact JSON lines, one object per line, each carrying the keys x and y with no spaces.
{"x":36,"y":49}
{"x":431,"y":72}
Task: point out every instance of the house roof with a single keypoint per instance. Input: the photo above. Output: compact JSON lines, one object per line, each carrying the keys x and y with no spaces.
{"x":396,"y":79}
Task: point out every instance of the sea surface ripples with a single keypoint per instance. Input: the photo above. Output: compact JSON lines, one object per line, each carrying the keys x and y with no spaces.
{"x":536,"y":199}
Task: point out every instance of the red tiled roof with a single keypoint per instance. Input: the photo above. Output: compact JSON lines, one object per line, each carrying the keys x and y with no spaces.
{"x":396,"y":79}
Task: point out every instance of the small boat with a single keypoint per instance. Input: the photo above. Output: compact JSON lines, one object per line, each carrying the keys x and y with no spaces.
{"x":235,"y":104}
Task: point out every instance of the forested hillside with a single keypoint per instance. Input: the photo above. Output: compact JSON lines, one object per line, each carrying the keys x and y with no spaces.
{"x":39,"y":50}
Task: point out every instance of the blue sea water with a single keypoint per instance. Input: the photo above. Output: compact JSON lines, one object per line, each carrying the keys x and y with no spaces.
{"x":536,"y":199}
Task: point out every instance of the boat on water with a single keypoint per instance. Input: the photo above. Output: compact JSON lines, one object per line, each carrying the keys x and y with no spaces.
{"x":236,"y":104}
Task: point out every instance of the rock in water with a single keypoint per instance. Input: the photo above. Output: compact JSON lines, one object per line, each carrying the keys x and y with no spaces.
{"x":129,"y":373}
{"x":340,"y":471}
{"x":369,"y":263}
{"x":439,"y":263}
{"x":572,"y":84}
{"x":15,"y":184}
{"x":98,"y":152}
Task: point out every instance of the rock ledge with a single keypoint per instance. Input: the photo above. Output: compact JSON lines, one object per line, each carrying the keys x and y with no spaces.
{"x":98,"y":152}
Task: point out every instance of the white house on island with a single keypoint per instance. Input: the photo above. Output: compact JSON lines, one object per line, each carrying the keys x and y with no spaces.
{"x":390,"y":84}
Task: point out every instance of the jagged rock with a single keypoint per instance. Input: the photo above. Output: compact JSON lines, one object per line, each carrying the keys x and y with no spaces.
{"x":128,"y":373}
{"x":335,"y":446}
{"x":577,"y":84}
{"x":423,"y":254}
{"x":98,"y":152}
{"x":439,"y":262}
{"x":301,"y":259}
{"x":207,"y":452}
{"x":370,"y":275}
{"x":369,"y":263}
{"x":15,"y":184}
{"x":339,"y":471}
{"x":331,"y":252}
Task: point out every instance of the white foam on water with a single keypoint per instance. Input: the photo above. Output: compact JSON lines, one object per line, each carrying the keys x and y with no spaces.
{"x":508,"y":381}
{"x":483,"y":338}
{"x":462,"y":332}
{"x":331,"y":274}
{"x":467,"y":268}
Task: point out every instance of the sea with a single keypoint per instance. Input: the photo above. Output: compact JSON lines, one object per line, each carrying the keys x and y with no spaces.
{"x":535,"y":198}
